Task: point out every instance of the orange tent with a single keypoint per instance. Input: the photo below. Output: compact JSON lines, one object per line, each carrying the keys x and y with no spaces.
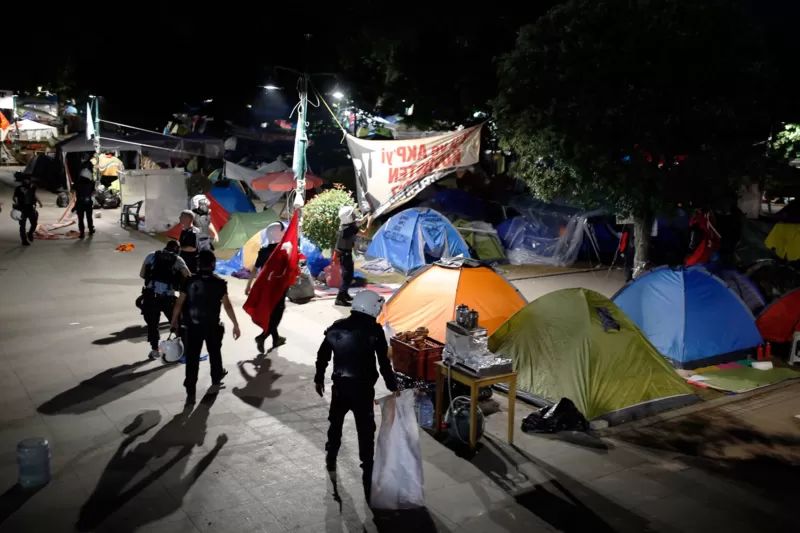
{"x":430,"y":298}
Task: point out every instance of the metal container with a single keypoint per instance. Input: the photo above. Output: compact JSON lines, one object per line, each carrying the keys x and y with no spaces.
{"x":461,"y":315}
{"x":472,"y":319}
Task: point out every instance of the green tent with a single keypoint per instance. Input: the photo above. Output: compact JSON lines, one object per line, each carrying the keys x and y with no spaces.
{"x":576,"y":343}
{"x":242,"y":226}
{"x":482,"y":238}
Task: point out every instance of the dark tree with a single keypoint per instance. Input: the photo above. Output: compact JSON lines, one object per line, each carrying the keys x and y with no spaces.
{"x":634,"y":105}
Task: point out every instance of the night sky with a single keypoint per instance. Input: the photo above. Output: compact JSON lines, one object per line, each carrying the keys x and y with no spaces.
{"x":148,"y":62}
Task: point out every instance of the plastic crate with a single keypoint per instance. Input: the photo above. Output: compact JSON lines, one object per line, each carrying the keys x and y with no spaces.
{"x":416,"y":363}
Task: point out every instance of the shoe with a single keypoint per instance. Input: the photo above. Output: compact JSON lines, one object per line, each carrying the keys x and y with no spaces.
{"x":218,"y":382}
{"x":81,"y":236}
{"x":346,"y":296}
{"x":30,"y":237}
{"x":277,"y":342}
{"x":260,"y":343}
{"x":342,"y":302}
{"x":25,"y":243}
{"x":154,"y":354}
{"x":91,"y":231}
{"x":190,"y":396}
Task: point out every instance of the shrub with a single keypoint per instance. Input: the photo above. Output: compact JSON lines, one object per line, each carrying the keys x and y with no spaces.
{"x":321,"y":216}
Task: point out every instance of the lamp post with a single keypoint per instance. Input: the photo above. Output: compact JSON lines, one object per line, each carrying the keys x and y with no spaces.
{"x":96,"y":117}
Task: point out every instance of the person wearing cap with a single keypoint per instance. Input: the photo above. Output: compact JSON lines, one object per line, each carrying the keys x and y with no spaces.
{"x":25,"y":201}
{"x":345,"y":242}
{"x":163,"y":271}
{"x":188,"y":240}
{"x":275,"y":232}
{"x":206,"y":232}
{"x":354,"y":343}
{"x":198,"y":309}
{"x":84,"y":201}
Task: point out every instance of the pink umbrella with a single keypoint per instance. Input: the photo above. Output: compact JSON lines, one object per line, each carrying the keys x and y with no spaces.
{"x":283,"y":182}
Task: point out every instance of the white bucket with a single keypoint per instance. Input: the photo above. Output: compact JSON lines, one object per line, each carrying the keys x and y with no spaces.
{"x":33,"y":461}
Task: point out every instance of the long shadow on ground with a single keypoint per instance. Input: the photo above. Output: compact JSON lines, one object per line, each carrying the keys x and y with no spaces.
{"x":13,"y":499}
{"x":137,"y":334}
{"x":106,"y":387}
{"x":116,"y":486}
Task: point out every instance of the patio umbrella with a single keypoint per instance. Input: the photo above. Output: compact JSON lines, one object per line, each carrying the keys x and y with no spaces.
{"x":282,"y":181}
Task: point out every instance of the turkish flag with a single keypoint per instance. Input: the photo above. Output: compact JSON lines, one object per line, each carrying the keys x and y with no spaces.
{"x":275,"y":278}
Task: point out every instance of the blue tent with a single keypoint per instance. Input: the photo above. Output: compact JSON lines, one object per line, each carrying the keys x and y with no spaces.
{"x":460,"y":203}
{"x":416,"y":237}
{"x":690,"y":315}
{"x":231,"y":196}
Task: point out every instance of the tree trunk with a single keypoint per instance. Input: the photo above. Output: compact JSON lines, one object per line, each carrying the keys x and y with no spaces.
{"x":642,"y":226}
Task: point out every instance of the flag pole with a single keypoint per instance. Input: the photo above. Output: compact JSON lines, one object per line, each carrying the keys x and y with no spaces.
{"x":299,"y":163}
{"x":97,"y":138}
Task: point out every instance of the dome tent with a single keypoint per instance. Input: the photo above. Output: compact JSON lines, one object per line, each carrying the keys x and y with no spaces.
{"x":690,"y":315}
{"x":576,"y":344}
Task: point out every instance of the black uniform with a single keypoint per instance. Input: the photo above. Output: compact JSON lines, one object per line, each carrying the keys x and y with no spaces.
{"x":277,"y":312}
{"x":25,"y":201}
{"x":345,"y":241}
{"x":189,"y":238}
{"x":84,"y":200}
{"x":204,"y":293}
{"x":354,"y":343}
{"x":164,"y":272}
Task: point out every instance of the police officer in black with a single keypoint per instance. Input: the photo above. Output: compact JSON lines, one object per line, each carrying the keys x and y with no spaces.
{"x":84,"y":201}
{"x":188,"y":240}
{"x":345,"y":242}
{"x":163,"y":272}
{"x":199,"y":306}
{"x":25,"y":201}
{"x":354,"y":343}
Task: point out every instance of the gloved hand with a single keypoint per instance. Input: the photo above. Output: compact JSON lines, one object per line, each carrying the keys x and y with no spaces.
{"x":320,"y":388}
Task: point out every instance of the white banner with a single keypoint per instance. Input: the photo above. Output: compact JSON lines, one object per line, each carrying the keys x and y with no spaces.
{"x":390,"y":173}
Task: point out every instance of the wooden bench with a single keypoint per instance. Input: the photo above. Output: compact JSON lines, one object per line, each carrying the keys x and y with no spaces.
{"x":130,"y":214}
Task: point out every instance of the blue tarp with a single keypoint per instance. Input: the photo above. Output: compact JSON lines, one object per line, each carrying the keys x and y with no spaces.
{"x":232,"y":198}
{"x":315,"y":261}
{"x":416,"y":237}
{"x":690,"y":316}
{"x":460,"y":203}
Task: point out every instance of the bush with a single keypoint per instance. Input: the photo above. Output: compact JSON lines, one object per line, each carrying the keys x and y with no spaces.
{"x":321,"y":216}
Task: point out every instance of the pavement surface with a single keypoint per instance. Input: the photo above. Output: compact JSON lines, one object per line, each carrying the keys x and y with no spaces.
{"x":127,"y":457}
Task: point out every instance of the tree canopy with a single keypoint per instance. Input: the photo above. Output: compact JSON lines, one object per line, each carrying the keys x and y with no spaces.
{"x":632,"y":105}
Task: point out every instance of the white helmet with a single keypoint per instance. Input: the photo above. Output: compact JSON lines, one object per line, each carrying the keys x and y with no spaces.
{"x":171,"y":349}
{"x":16,"y":214}
{"x":200,"y":201}
{"x":368,"y":302}
{"x":86,"y":173}
{"x":275,"y":232}
{"x":347,"y":214}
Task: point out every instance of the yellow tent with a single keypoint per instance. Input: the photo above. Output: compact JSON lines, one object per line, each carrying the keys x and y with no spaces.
{"x":785,"y":240}
{"x":430,"y":298}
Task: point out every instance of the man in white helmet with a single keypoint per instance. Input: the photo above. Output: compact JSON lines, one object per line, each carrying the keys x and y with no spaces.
{"x":206,"y":232}
{"x":345,"y":241}
{"x":354,"y":342}
{"x":274,"y":234}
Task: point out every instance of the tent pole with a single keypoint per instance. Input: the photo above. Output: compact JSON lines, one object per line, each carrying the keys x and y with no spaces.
{"x":299,"y":165}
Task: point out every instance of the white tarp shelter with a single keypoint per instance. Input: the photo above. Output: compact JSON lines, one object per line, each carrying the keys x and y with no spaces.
{"x":30,"y":130}
{"x":164,"y":194}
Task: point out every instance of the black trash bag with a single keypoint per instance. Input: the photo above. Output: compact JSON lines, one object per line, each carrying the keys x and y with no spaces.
{"x":563,"y":416}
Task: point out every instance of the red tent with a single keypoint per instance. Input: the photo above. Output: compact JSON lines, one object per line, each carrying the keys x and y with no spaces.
{"x":219,"y":217}
{"x":780,"y":319}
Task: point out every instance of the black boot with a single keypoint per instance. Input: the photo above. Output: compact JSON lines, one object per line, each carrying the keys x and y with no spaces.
{"x":342,"y":301}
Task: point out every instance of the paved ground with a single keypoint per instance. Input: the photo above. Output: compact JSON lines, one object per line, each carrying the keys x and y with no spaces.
{"x":127,"y":457}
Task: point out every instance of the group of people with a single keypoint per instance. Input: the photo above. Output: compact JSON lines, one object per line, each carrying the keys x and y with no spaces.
{"x":354,"y":343}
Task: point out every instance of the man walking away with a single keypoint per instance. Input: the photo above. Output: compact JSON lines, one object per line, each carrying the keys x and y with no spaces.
{"x":84,"y":199}
{"x":163,"y":272}
{"x":25,"y":201}
{"x":355,"y":342}
{"x":275,"y":232}
{"x":188,"y":240}
{"x":345,"y":241}
{"x":200,"y":301}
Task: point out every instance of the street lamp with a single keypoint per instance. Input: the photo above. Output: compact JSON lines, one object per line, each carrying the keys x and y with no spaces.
{"x":271,"y":87}
{"x":338,"y":95}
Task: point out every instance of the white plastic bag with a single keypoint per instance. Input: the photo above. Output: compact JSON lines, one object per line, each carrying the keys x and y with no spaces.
{"x":397,"y":474}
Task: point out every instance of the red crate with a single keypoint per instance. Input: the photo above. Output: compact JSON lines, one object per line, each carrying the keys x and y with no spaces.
{"x":416,"y":363}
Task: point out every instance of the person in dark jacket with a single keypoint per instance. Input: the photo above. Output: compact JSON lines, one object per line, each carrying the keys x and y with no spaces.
{"x":188,"y":240}
{"x":345,"y":242}
{"x":25,"y":201}
{"x":354,"y":342}
{"x":275,"y":232}
{"x":84,"y":201}
{"x":163,"y":271}
{"x":199,"y":304}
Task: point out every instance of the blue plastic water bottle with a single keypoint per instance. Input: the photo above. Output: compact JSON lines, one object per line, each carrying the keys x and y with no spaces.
{"x":33,"y":460}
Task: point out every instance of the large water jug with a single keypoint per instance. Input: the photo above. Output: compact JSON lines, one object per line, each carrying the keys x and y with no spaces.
{"x":424,"y":411}
{"x":33,"y":460}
